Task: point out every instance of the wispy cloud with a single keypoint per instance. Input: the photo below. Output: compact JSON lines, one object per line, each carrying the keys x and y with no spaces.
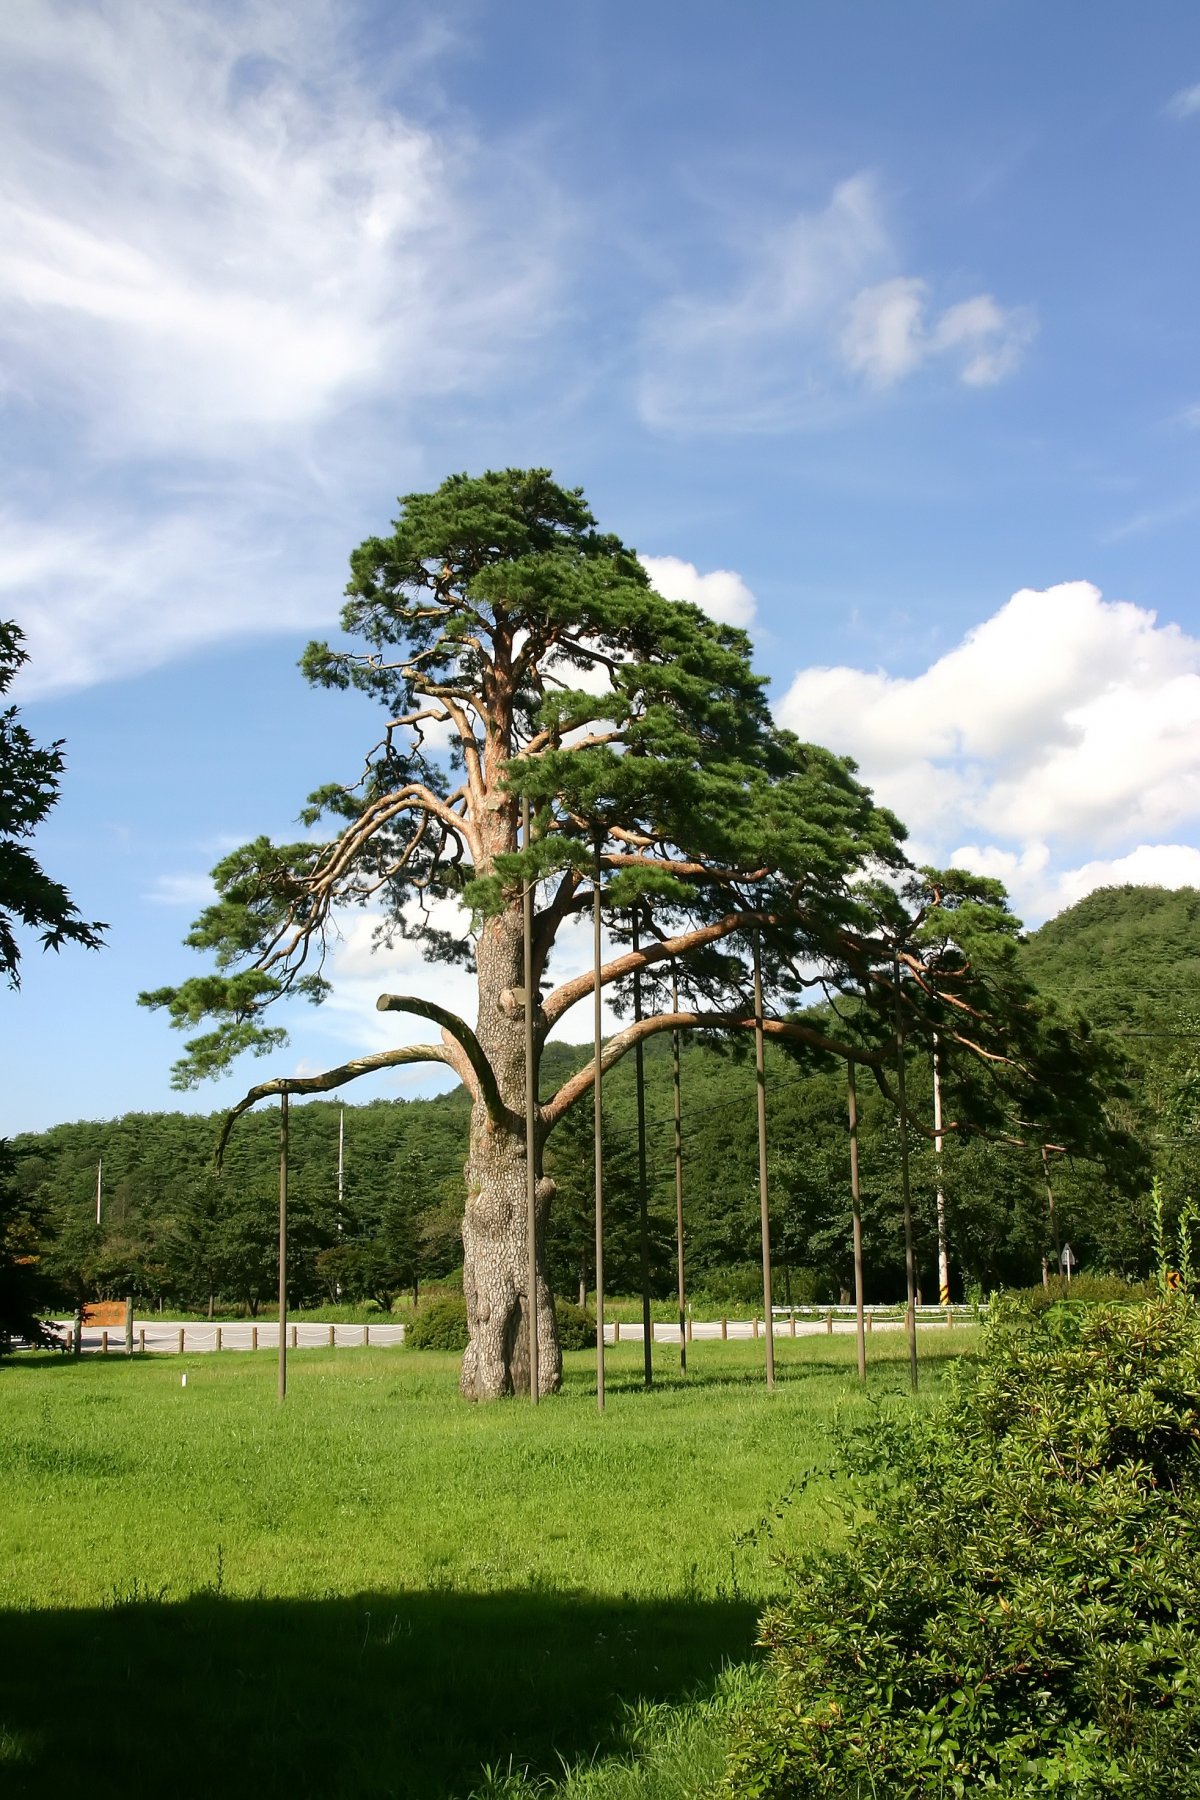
{"x":220,"y":237}
{"x":813,"y":325}
{"x":215,"y":227}
{"x":1185,"y":103}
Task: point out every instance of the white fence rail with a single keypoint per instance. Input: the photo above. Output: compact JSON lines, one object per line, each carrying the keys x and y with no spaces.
{"x":160,"y":1337}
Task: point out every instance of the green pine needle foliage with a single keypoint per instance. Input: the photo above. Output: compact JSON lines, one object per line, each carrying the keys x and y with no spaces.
{"x":1017,"y":1612}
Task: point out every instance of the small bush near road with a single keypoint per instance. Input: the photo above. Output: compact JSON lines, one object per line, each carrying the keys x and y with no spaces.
{"x":576,"y":1326}
{"x":439,"y":1325}
{"x":1018,"y":1613}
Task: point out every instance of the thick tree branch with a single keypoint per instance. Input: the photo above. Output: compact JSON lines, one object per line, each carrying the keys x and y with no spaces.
{"x":778,"y":1030}
{"x":331,"y":1078}
{"x":566,"y":996}
{"x":464,"y":1037}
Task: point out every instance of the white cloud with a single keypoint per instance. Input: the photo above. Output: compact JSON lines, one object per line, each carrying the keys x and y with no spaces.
{"x":886,"y":336}
{"x":1185,"y":103}
{"x":722,"y":594}
{"x":1064,"y":722}
{"x":816,"y":301}
{"x":213,"y":227}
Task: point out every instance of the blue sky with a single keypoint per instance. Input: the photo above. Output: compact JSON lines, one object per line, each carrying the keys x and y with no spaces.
{"x":873,"y":327}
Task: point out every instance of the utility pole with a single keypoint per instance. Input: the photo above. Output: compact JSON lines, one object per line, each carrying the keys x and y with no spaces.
{"x":99,"y":1174}
{"x":763,"y":1196}
{"x":341,"y":1188}
{"x":1050,"y":1214}
{"x":643,"y":1218}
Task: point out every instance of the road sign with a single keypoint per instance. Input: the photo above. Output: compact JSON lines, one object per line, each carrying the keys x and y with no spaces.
{"x":1068,"y":1259}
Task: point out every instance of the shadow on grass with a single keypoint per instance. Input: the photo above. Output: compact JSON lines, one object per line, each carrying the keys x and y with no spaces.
{"x":405,"y":1694}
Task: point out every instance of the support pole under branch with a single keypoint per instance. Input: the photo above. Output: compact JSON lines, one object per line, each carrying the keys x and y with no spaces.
{"x":763,"y":1191}
{"x":283,"y":1212}
{"x":531,"y":1098}
{"x":598,"y":1129}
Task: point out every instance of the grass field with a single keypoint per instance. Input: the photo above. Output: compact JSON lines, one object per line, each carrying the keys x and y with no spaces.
{"x":380,"y":1590}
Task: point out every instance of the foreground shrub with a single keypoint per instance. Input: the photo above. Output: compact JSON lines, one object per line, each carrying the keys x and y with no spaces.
{"x":438,"y":1325}
{"x":576,"y":1326}
{"x":1083,"y":1290}
{"x":1019,"y":1611}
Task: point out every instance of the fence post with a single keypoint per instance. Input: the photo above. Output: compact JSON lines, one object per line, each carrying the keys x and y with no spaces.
{"x":332,"y":1337}
{"x":949,"y":1317}
{"x":829,"y":1322}
{"x":689,"y":1329}
{"x":366,"y":1334}
{"x":181,"y":1340}
{"x":254,"y":1337}
{"x":791,"y":1324}
{"x":616,"y":1331}
{"x":129,"y":1324}
{"x":104,"y":1343}
{"x":724,"y":1327}
{"x":754,"y":1326}
{"x":293,"y":1337}
{"x":218,"y":1337}
{"x":141,"y":1340}
{"x":870,"y":1321}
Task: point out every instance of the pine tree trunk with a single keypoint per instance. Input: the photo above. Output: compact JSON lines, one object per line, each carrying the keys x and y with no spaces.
{"x":495,"y":1263}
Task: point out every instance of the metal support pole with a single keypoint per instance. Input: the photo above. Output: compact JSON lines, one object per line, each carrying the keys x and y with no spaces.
{"x":678,"y":1112}
{"x":598,"y":1129}
{"x":763,"y":1192}
{"x":129,"y":1324}
{"x":531,"y":1101}
{"x":283,"y":1202}
{"x":860,"y":1330}
{"x":940,"y":1195}
{"x":639,"y":1067}
{"x":910,"y":1264}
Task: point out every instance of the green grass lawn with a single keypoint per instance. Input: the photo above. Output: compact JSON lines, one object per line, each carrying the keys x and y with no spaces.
{"x":380,"y":1590}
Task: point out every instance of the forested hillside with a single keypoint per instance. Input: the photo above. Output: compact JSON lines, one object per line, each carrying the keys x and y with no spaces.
{"x":1126,"y":958}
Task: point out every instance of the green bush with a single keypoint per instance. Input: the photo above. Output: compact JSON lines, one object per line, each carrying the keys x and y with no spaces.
{"x":438,"y":1325}
{"x":576,"y":1326}
{"x":1017,"y":1611}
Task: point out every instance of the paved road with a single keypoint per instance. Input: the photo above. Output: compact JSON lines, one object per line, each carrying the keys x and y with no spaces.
{"x":162,"y":1335}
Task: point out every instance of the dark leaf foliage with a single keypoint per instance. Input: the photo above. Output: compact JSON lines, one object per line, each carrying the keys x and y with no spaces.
{"x":30,"y":779}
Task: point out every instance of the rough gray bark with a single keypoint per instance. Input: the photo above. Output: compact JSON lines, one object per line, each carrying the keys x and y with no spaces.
{"x":495,"y":1259}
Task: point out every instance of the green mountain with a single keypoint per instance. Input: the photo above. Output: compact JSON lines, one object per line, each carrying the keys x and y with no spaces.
{"x":1127,"y":957}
